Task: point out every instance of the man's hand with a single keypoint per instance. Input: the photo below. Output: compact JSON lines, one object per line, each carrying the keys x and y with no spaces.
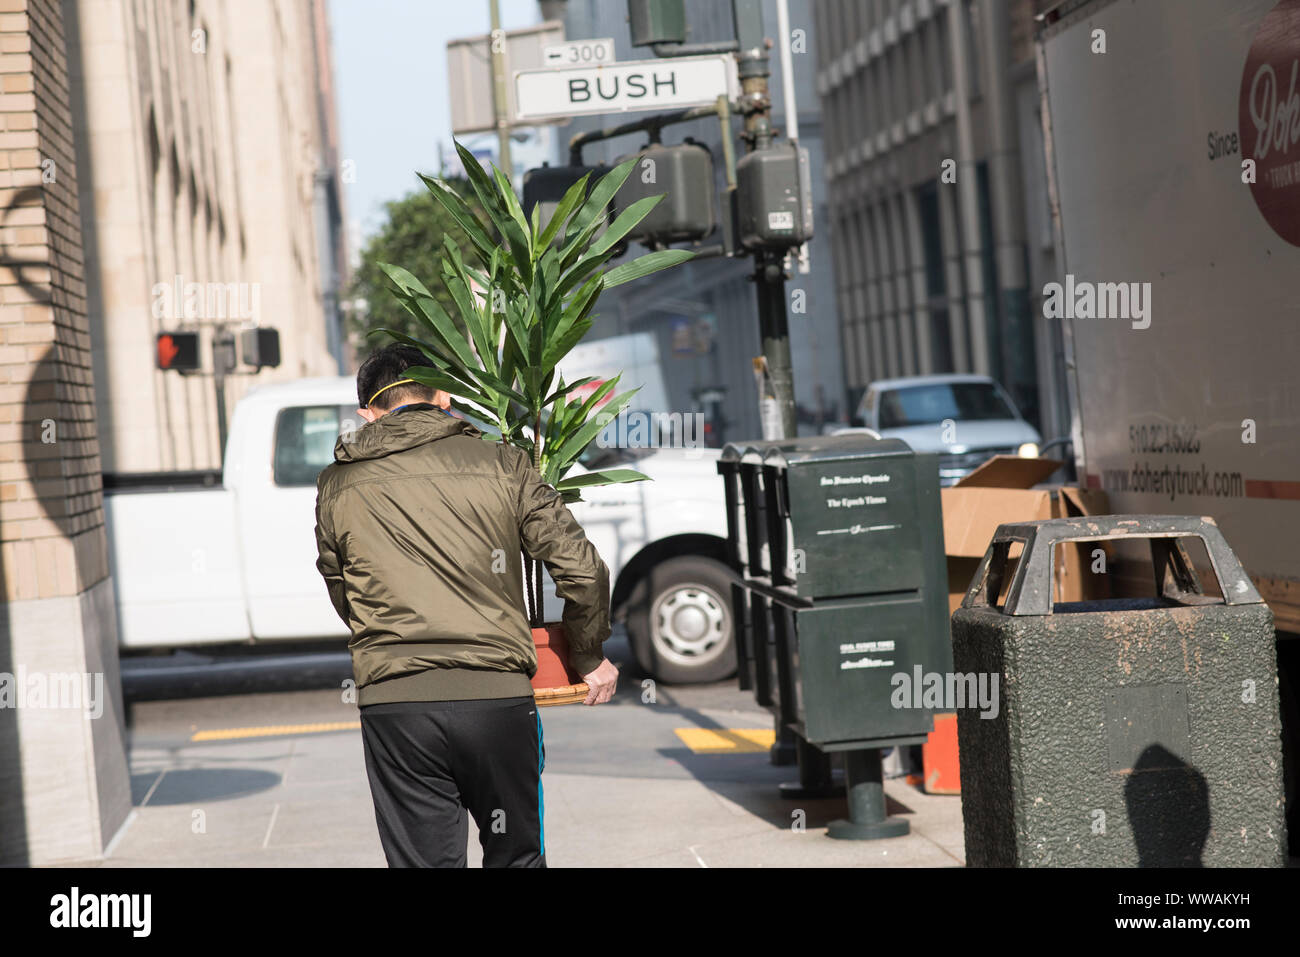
{"x":601,"y":683}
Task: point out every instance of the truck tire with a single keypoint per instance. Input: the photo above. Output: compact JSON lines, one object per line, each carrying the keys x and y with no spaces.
{"x":679,"y":621}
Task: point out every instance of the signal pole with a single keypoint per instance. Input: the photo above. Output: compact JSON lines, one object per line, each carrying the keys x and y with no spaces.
{"x":754,"y":69}
{"x":497,"y":44}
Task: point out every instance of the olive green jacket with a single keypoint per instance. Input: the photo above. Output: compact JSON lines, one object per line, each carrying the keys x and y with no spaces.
{"x":419,"y":526}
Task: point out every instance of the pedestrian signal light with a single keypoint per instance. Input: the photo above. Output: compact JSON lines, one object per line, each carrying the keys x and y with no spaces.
{"x":178,"y":351}
{"x":260,"y":347}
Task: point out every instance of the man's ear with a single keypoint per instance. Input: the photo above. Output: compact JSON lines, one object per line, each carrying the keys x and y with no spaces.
{"x":367,"y":415}
{"x":441,"y":399}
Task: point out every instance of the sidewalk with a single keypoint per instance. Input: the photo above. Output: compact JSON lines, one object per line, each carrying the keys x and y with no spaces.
{"x":621,"y":789}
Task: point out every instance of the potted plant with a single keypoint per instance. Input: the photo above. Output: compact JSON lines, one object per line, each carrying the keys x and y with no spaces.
{"x":524,"y":295}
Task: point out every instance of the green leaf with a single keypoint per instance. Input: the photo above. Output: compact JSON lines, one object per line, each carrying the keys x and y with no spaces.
{"x":436,"y":379}
{"x":557,"y":350}
{"x":459,"y":211}
{"x":511,"y":202}
{"x":645,"y":265}
{"x":625,"y":223}
{"x":444,"y":365}
{"x":579,"y":307}
{"x":577,"y":442}
{"x":575,"y":247}
{"x":601,"y":194}
{"x":496,"y":202}
{"x":483,"y":415}
{"x":473,"y":383}
{"x":442,"y":326}
{"x":403,"y":280}
{"x":479,"y":328}
{"x":589,"y":404}
{"x":572,"y":197}
{"x":581,"y":270}
{"x":566,"y":389}
{"x":606,"y":477}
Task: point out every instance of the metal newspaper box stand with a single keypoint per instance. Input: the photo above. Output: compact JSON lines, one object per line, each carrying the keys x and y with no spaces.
{"x":737,"y":558}
{"x":856,"y":539}
{"x":740,"y":466}
{"x":1130,"y":732}
{"x":843,"y":561}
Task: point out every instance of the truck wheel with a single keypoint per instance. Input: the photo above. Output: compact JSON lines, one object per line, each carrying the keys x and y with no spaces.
{"x":679,"y":621}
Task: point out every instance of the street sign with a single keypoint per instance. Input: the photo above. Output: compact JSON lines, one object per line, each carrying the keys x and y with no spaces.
{"x":670,"y":83}
{"x":469,"y":72}
{"x":579,"y":53}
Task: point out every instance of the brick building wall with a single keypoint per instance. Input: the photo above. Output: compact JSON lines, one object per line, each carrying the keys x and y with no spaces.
{"x":62,"y":790}
{"x":51,"y":509}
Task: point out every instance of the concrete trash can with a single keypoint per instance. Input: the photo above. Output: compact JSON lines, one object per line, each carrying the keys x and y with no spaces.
{"x":1130,"y":732}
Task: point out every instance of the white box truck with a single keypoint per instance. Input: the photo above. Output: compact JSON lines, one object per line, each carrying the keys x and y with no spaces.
{"x":1172,"y":131}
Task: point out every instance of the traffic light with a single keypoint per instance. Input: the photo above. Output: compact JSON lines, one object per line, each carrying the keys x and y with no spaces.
{"x":178,"y":351}
{"x":260,"y":347}
{"x":683,"y":174}
{"x":656,"y":21}
{"x":546,"y":186}
{"x":774,"y":197}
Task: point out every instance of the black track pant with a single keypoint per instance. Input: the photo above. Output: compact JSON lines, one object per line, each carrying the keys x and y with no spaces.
{"x":430,"y":761}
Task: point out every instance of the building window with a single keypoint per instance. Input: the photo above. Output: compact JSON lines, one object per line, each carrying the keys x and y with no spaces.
{"x":936,"y":287}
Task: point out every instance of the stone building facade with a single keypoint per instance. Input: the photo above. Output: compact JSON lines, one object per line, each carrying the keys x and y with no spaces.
{"x":940,"y":222}
{"x":211,"y":199}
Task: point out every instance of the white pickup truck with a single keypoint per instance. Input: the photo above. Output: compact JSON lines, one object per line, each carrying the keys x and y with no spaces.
{"x":215,"y":558}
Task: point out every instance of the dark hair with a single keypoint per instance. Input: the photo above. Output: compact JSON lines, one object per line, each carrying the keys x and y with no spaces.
{"x":386,"y":366}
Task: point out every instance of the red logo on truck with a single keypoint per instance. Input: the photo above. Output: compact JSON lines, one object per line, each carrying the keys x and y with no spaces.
{"x":1268,"y":118}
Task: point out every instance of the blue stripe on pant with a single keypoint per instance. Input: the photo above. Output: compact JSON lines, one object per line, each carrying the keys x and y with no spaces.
{"x":541,"y":804}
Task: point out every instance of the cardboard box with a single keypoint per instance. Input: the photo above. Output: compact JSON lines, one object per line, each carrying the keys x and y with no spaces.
{"x":1001,"y":490}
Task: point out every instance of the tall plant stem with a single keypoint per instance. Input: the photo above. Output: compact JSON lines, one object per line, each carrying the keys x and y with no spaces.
{"x":539,"y":614}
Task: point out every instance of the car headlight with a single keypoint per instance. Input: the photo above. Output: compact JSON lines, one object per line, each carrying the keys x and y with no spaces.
{"x":1028,"y":451}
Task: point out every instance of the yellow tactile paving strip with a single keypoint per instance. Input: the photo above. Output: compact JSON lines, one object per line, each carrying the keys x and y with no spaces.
{"x":267,"y":731}
{"x":699,"y":740}
{"x":726,"y":740}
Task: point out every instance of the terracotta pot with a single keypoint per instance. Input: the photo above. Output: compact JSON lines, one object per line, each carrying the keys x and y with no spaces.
{"x":555,"y":682}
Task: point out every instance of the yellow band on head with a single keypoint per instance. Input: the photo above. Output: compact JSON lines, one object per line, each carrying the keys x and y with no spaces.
{"x":386,"y":388}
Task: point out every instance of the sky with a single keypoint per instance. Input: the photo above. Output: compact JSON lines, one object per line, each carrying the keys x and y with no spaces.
{"x":390,"y":67}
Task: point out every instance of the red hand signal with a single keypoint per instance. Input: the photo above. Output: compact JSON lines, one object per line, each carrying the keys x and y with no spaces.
{"x":167,"y":351}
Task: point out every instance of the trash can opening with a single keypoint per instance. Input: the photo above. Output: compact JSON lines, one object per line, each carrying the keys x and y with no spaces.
{"x":1103,"y":575}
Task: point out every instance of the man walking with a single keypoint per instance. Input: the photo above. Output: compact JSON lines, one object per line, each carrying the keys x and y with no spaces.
{"x":419,"y":527}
